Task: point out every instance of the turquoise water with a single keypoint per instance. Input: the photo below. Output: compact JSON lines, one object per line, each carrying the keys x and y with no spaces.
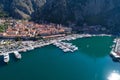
{"x":90,"y":62}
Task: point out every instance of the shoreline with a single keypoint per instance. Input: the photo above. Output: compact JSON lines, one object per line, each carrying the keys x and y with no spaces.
{"x":25,"y":46}
{"x":68,"y":38}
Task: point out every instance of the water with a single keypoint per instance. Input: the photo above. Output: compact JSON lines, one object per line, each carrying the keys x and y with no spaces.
{"x":90,"y":62}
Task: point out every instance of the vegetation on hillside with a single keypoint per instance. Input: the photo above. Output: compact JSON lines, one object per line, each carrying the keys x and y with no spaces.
{"x":3,"y":27}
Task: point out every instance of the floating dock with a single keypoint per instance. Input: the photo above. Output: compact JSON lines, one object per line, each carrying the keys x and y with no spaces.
{"x":66,"y":47}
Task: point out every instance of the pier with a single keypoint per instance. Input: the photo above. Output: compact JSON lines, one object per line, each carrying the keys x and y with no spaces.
{"x":66,"y":47}
{"x":115,"y":52}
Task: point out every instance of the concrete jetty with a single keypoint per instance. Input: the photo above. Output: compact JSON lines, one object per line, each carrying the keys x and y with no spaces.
{"x":115,"y":52}
{"x":66,"y":47}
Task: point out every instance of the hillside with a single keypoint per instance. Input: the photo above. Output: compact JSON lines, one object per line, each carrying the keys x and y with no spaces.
{"x":92,"y":12}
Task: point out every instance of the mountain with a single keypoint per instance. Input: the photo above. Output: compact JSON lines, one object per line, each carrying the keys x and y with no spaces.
{"x":21,"y":8}
{"x":92,"y":12}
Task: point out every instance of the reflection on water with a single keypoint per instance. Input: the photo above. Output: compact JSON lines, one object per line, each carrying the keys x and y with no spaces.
{"x":115,"y":75}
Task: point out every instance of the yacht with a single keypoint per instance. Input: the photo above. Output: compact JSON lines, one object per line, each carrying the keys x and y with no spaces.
{"x":66,"y":50}
{"x":76,"y":48}
{"x":6,"y":58}
{"x":17,"y":55}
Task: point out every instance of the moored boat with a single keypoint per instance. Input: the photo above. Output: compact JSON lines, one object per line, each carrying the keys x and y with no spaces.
{"x":6,"y":58}
{"x":17,"y":55}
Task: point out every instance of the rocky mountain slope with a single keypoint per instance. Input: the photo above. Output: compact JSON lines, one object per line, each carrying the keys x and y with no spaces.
{"x":104,"y":12}
{"x":21,"y":8}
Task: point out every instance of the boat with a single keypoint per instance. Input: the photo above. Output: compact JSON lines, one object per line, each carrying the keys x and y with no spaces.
{"x":76,"y":48}
{"x":114,"y":41}
{"x":17,"y":55}
{"x":115,"y":54}
{"x":6,"y":58}
{"x":115,"y":57}
{"x":30,"y":48}
{"x":66,"y":50}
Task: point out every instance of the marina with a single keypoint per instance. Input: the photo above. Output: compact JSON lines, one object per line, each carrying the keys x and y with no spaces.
{"x":59,"y":40}
{"x":23,"y":46}
{"x":52,"y":62}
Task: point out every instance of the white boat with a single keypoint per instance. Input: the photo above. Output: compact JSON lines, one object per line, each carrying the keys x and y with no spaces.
{"x":76,"y":48}
{"x":71,"y":50}
{"x":73,"y":38}
{"x":114,"y":54}
{"x":17,"y":55}
{"x":115,"y":41}
{"x":31,"y":47}
{"x":6,"y":58}
{"x":66,"y":50}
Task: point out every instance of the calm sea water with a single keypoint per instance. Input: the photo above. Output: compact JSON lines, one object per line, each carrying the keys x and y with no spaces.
{"x":90,"y":62}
